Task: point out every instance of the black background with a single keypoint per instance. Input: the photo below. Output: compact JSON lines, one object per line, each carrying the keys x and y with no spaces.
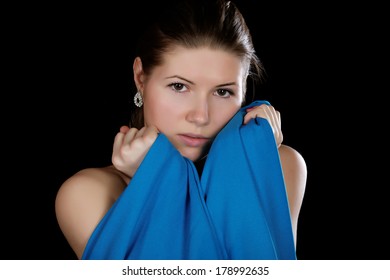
{"x":69,"y":87}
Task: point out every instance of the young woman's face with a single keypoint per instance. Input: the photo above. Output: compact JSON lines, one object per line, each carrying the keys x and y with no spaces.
{"x":192,"y":95}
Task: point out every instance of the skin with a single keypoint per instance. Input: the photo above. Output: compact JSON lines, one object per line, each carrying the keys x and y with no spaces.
{"x":190,"y":105}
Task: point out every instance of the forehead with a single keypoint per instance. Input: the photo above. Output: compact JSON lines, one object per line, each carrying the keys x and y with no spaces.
{"x":192,"y":62}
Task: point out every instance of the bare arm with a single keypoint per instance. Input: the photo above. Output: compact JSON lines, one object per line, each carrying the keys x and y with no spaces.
{"x":84,"y":199}
{"x":295,"y":175}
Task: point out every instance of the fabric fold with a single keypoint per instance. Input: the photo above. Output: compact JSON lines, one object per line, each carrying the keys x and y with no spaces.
{"x":237,"y":210}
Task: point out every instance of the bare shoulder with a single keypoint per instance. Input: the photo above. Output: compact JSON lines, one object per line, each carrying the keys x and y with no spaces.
{"x":292,"y":160}
{"x":295,"y":176}
{"x":82,"y":201}
{"x":294,"y":170}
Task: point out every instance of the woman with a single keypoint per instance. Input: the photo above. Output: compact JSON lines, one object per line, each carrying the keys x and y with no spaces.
{"x":191,"y":72}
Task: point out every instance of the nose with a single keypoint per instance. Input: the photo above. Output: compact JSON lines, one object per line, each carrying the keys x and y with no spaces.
{"x":199,"y":112}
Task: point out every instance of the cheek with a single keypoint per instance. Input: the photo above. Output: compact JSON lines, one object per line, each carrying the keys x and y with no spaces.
{"x":155,"y":112}
{"x":222,"y":115}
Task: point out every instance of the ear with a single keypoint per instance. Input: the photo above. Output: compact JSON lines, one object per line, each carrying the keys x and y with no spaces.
{"x":138,"y":74}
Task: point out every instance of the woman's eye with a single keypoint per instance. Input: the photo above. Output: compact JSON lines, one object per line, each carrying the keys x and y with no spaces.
{"x":224,"y":93}
{"x":178,"y":87}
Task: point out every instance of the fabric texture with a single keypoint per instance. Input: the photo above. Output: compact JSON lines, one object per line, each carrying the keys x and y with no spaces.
{"x":238,"y":209}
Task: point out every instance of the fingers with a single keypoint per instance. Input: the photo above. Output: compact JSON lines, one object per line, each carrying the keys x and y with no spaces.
{"x":130,"y":147}
{"x":145,"y":134}
{"x":124,"y":129}
{"x":269,"y":113}
{"x":132,"y":134}
{"x":263,"y":111}
{"x":149,"y":134}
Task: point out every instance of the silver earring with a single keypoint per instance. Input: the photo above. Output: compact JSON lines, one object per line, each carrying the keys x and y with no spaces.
{"x":138,"y":99}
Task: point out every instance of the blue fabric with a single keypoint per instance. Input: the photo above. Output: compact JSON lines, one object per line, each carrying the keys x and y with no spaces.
{"x":237,"y":210}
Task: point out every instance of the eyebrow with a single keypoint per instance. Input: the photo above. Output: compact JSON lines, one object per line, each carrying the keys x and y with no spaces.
{"x":181,"y":78}
{"x":192,"y":83}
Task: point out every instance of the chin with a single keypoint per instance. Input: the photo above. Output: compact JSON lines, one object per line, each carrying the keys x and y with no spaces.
{"x":193,"y":156}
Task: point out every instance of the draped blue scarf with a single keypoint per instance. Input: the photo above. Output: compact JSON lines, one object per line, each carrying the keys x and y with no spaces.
{"x":238,"y":209}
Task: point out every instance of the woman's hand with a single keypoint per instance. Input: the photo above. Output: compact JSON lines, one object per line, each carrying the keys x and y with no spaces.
{"x":273,"y":116}
{"x":130,"y":147}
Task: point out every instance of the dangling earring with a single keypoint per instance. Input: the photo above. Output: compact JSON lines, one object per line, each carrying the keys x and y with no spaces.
{"x":138,"y":99}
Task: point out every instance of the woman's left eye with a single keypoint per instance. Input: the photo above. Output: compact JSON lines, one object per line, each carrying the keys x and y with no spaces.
{"x":224,"y":93}
{"x":178,"y":87}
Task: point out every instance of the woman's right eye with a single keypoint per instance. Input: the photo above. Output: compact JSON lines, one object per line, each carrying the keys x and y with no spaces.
{"x":178,"y":87}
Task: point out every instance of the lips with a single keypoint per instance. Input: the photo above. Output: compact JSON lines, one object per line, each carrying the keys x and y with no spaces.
{"x":192,"y":140}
